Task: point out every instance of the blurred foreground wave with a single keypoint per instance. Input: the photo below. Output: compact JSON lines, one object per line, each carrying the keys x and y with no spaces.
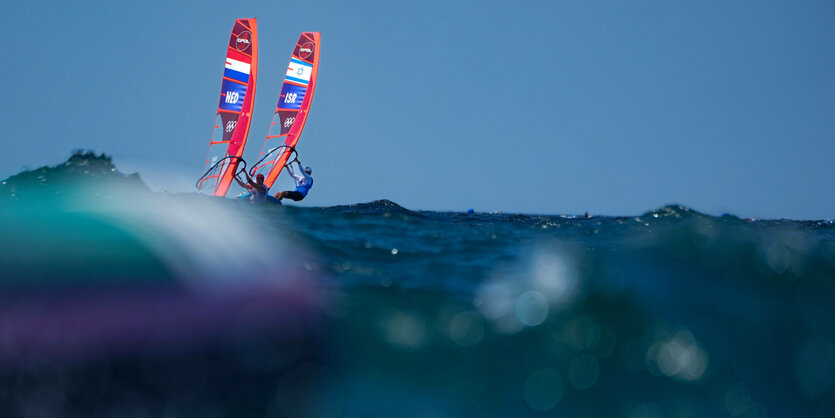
{"x":119,"y":301}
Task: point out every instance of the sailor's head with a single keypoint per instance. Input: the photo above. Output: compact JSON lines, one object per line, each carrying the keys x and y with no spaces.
{"x":308,"y":170}
{"x":259,"y":178}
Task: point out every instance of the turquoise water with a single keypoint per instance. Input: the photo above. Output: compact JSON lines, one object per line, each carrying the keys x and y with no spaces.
{"x":119,"y":301}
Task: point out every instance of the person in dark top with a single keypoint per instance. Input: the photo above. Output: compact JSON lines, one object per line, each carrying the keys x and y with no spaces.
{"x":257,"y":189}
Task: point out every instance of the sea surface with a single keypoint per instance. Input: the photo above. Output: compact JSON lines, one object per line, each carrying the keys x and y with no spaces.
{"x":120,"y":301}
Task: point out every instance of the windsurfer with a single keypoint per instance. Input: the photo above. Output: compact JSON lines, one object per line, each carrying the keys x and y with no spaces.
{"x":257,"y":189}
{"x":304,"y":181}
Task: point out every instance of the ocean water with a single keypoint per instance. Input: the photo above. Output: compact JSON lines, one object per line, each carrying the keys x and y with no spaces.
{"x":118,"y":301}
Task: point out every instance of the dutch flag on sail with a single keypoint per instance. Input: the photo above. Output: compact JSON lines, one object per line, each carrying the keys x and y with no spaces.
{"x":299,"y":71}
{"x":236,"y":70}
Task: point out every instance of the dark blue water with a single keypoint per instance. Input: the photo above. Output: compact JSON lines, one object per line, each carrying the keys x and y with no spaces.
{"x":119,"y":301}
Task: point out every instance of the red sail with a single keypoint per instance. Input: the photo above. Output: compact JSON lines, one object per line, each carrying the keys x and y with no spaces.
{"x":234,"y":111}
{"x":292,"y":109}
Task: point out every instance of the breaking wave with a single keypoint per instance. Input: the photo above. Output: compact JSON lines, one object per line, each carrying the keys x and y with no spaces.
{"x":117,"y":300}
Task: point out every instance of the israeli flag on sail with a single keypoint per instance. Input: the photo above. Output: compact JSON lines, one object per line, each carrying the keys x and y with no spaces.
{"x":299,"y":71}
{"x":237,"y":70}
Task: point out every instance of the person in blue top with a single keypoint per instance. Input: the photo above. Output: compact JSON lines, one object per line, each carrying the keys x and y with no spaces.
{"x":303,"y":183}
{"x":257,"y":189}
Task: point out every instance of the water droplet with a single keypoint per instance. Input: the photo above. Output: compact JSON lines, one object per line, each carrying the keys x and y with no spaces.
{"x":543,"y":389}
{"x":531,"y":308}
{"x":403,"y":329}
{"x":466,"y":329}
{"x":496,"y":299}
{"x":737,"y":400}
{"x":583,"y":371}
{"x":779,"y":258}
{"x":680,"y":357}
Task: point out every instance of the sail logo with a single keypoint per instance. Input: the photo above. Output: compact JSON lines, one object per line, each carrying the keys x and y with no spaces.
{"x":244,"y":40}
{"x":289,"y":122}
{"x":306,"y":50}
{"x":230,"y":126}
{"x":232,"y":97}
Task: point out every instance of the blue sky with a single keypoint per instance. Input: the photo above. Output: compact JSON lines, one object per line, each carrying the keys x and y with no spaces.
{"x":540,"y":107}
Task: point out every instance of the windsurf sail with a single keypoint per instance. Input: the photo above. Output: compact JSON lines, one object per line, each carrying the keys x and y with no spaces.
{"x":234,"y":111}
{"x":292,"y":109}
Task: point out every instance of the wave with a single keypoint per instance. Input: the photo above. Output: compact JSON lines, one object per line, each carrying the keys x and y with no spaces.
{"x":672,"y":310}
{"x":78,"y":177}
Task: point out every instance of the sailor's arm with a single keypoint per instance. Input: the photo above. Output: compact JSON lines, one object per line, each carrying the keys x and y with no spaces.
{"x":296,"y":177}
{"x":242,"y":184}
{"x":249,"y":179}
